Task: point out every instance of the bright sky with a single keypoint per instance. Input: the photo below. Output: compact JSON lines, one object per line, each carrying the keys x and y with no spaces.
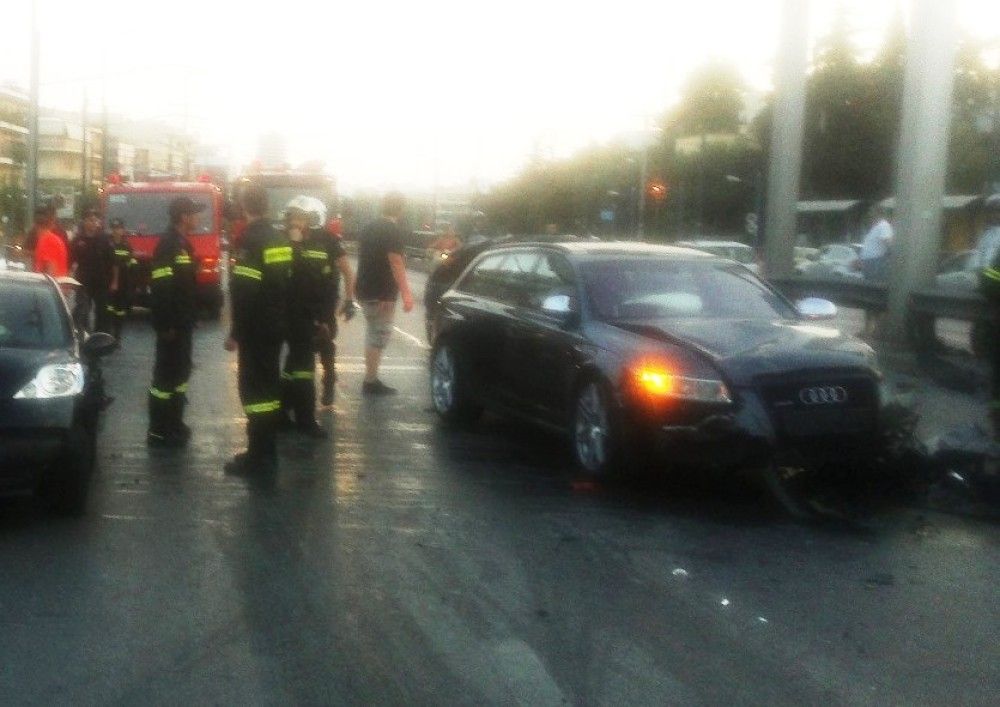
{"x":405,"y":93}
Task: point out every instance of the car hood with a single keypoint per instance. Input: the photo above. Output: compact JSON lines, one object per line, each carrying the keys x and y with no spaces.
{"x":19,"y":366}
{"x":742,"y":349}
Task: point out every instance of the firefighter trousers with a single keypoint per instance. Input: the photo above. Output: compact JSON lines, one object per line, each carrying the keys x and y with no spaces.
{"x":259,"y":384}
{"x":168,"y":393}
{"x":91,"y":300}
{"x":117,"y":309}
{"x":327,"y":349}
{"x":298,"y":377}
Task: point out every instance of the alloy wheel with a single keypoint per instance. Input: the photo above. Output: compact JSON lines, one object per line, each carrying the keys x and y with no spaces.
{"x":591,"y":429}
{"x":443,"y":380}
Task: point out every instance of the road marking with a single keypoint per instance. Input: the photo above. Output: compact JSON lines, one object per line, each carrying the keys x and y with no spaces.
{"x":419,"y":343}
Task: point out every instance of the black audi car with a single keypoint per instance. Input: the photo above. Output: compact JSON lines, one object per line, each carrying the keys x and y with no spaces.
{"x":632,"y":348}
{"x":51,"y":393}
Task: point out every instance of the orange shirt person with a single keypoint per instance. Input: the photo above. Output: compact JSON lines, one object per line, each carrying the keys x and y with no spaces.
{"x":51,"y":254}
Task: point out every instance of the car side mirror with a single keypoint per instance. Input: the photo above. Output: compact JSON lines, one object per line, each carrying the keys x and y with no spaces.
{"x":557,"y":305}
{"x":562,"y":307}
{"x":97,"y":345}
{"x":816,"y":309}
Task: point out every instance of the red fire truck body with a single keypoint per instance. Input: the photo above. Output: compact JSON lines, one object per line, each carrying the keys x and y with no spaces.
{"x":144,"y":208}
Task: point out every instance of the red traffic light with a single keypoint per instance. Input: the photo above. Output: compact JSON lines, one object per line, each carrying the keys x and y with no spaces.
{"x":657,"y":190}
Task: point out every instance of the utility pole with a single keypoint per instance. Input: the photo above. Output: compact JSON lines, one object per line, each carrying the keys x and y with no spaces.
{"x":921,"y":157}
{"x":84,"y":162}
{"x":786,"y":139}
{"x":643,"y":168}
{"x":105,"y":138}
{"x":31,"y":178}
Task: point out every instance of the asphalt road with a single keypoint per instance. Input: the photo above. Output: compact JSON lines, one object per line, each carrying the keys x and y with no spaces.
{"x":401,"y":563}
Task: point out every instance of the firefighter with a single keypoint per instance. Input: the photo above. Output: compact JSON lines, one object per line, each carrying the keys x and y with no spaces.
{"x":312,"y":302}
{"x":326,"y":346}
{"x":121,"y":281}
{"x":988,"y":260}
{"x":173,"y":290}
{"x":259,"y":291}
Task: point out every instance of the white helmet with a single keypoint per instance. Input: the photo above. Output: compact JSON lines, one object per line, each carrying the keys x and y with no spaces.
{"x":308,"y":205}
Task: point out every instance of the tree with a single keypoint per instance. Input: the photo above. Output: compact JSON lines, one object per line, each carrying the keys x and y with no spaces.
{"x":711,"y":102}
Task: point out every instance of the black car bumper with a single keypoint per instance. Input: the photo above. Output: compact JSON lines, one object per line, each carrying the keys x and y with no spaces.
{"x":33,"y":435}
{"x":753,"y":434}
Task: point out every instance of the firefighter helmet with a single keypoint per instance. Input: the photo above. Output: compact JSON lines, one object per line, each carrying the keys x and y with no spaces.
{"x":309,"y":205}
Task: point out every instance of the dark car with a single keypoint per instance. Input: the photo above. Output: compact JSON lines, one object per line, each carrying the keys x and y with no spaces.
{"x":51,"y":393}
{"x":630,"y":348}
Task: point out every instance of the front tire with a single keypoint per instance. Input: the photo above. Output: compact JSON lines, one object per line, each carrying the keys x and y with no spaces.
{"x":596,"y":435}
{"x":68,"y":485}
{"x":450,"y":392}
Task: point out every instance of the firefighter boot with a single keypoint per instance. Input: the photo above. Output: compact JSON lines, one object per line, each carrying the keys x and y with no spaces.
{"x":180,"y":428}
{"x":304,"y":403}
{"x":160,"y":433}
{"x":329,"y":381}
{"x":261,"y":456}
{"x":284,"y":421}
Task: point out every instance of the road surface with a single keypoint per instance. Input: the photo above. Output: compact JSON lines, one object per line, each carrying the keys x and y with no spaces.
{"x":401,"y":563}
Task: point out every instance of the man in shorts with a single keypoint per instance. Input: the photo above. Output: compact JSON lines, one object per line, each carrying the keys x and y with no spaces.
{"x":381,"y":281}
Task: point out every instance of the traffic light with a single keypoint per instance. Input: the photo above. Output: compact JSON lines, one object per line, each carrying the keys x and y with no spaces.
{"x":657,"y":190}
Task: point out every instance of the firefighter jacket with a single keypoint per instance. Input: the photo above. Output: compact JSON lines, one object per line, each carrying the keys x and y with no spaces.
{"x":989,"y":280}
{"x":173,"y":285}
{"x":124,"y":263}
{"x":312,"y":296}
{"x":259,"y":284}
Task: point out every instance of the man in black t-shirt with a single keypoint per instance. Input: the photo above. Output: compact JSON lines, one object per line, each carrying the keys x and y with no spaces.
{"x":381,"y":280}
{"x":93,"y":258}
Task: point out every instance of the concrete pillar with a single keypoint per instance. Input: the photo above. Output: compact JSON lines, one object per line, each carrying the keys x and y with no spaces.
{"x":922,"y":156}
{"x":786,"y":139}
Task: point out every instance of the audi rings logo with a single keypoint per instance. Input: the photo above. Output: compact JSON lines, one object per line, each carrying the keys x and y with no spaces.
{"x":823,"y":395}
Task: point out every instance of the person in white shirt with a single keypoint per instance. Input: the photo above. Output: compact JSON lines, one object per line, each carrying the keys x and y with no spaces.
{"x":989,"y":241}
{"x":875,"y":246}
{"x":874,"y":259}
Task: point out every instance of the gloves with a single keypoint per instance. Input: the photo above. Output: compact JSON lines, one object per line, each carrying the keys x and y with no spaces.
{"x":350,"y":309}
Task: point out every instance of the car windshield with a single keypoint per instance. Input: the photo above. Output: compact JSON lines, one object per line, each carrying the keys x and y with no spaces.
{"x":31,"y":317}
{"x":148,"y":212}
{"x":662,"y":288}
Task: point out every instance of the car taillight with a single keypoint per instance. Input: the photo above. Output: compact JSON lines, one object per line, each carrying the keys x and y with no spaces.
{"x":210,"y":265}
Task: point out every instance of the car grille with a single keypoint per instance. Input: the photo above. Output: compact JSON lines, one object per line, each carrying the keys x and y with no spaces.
{"x":823,"y":405}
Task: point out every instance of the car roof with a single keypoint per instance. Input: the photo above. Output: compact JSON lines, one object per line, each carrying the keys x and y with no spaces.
{"x":587,"y":249}
{"x":708,"y":243}
{"x":21,"y":276}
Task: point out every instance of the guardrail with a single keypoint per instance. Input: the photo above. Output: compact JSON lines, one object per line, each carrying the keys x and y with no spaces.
{"x":926,"y":306}
{"x":847,"y":293}
{"x":969,"y":306}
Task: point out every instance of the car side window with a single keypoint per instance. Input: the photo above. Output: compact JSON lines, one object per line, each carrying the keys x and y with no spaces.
{"x":553,"y":276}
{"x":484,"y":280}
{"x":516,"y":274}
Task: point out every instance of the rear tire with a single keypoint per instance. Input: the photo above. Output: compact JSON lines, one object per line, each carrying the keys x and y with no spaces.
{"x":596,"y":433}
{"x":450,"y":389}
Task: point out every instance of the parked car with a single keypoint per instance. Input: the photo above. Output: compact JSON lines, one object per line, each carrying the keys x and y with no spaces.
{"x":958,"y":272}
{"x":804,"y":256}
{"x":51,"y":393}
{"x":630,"y":349}
{"x":733,"y":250}
{"x":836,"y":260}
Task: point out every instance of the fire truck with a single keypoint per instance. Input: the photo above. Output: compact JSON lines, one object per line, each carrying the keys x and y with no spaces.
{"x":282,"y":186}
{"x":144,"y":207}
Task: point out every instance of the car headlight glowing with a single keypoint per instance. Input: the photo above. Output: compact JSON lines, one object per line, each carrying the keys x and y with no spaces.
{"x":658,"y":381}
{"x":57,"y":380}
